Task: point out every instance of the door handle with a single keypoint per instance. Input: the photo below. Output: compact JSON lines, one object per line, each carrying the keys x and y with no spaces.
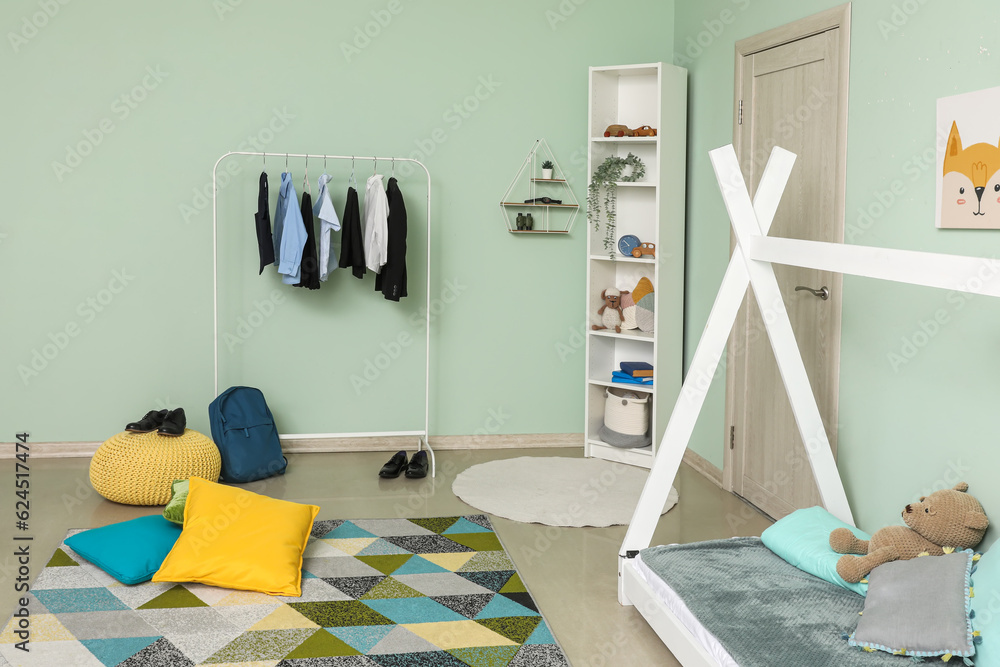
{"x":823,"y":292}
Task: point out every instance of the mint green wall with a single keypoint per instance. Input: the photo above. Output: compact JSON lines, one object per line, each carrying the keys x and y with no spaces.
{"x":127,"y":227}
{"x":905,"y":427}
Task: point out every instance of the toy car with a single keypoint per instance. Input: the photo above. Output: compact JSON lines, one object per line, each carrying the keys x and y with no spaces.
{"x":618,"y":131}
{"x":644,"y":131}
{"x":645,"y":249}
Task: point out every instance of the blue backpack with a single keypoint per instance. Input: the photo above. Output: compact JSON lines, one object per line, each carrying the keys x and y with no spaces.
{"x":244,"y":432}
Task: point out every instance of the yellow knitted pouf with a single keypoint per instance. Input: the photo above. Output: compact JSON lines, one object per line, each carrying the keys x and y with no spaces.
{"x":138,"y":468}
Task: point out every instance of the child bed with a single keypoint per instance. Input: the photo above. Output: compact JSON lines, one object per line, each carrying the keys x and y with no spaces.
{"x":729,"y":603}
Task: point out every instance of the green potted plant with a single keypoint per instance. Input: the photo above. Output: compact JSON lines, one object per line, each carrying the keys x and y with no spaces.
{"x":547,"y":170}
{"x":608,"y":175}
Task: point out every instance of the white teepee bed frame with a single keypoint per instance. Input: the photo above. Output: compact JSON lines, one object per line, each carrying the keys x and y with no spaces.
{"x":751,"y":265}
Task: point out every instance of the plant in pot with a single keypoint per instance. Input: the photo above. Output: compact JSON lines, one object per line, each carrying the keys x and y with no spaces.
{"x":547,"y":169}
{"x":608,"y":175}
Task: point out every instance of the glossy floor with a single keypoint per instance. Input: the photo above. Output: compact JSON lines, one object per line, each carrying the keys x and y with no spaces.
{"x":570,"y":571}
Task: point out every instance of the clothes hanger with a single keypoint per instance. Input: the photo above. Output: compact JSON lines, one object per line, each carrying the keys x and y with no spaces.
{"x":374,"y":166}
{"x":286,"y":163}
{"x":352,"y":178}
{"x":305,"y":179}
{"x":393,"y":168}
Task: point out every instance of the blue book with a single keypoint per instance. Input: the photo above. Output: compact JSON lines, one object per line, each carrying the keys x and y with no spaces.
{"x":637,"y":368}
{"x":619,"y":376}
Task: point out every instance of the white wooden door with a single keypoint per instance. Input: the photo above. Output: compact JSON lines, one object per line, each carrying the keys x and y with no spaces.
{"x":793,"y":95}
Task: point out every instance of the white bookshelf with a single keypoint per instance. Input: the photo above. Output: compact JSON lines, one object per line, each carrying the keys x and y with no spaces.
{"x":652,"y":209}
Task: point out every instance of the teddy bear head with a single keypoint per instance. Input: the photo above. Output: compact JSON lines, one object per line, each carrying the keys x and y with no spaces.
{"x":948,"y":518}
{"x":612,"y":297}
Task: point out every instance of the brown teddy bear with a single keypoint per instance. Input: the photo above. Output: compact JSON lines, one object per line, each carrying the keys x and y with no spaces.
{"x":949,"y":518}
{"x":611,"y":312}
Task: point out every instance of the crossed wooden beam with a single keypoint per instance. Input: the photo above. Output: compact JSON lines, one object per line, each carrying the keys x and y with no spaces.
{"x":751,"y":265}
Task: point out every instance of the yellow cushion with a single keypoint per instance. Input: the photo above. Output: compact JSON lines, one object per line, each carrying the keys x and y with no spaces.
{"x":237,"y":539}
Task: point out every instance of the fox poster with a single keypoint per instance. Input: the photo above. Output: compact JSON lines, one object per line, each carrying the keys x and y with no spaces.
{"x":968,"y":160}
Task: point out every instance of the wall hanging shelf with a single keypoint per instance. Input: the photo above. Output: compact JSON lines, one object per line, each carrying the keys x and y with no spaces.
{"x":539,"y":201}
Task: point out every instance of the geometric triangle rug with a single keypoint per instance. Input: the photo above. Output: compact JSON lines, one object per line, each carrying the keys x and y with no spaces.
{"x":437,"y":592}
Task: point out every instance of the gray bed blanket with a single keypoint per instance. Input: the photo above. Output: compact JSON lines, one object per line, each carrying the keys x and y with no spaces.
{"x":766,"y":612}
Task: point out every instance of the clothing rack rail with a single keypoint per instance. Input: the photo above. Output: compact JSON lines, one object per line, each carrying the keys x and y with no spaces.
{"x":422,"y":435}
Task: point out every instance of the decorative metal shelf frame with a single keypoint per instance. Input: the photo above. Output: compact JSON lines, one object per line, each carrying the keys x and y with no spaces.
{"x":539,"y":153}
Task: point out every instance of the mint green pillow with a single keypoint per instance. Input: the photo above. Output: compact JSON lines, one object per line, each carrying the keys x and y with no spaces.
{"x":803,"y":539}
{"x":174,"y":511}
{"x":986,"y":604}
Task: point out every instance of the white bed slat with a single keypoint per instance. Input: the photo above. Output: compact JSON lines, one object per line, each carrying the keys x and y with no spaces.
{"x":706,"y":360}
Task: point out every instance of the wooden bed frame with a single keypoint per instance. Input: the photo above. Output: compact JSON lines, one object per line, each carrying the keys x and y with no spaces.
{"x":751,"y":265}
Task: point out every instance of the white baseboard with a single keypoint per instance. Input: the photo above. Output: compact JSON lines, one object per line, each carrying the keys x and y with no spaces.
{"x":703,"y":466}
{"x":65,"y":450}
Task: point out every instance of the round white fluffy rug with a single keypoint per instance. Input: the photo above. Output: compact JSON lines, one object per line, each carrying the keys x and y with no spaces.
{"x":556,"y":491}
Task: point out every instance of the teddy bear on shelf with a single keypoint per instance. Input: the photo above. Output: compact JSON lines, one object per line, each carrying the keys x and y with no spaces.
{"x":940,"y":523}
{"x":611,"y":313}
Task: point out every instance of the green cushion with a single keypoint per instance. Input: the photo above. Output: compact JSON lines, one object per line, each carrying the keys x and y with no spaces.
{"x":174,"y":511}
{"x":803,"y":539}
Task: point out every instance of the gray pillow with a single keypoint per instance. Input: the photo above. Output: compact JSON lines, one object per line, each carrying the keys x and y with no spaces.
{"x":919,"y":607}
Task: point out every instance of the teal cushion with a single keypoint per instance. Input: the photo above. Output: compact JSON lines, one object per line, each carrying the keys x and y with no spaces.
{"x":130,"y":551}
{"x":986,"y":604}
{"x":803,"y":539}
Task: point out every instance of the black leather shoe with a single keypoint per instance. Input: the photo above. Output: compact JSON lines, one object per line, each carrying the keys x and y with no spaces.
{"x":149,"y":423}
{"x":393,"y":466}
{"x":418,"y":465}
{"x":174,"y":423}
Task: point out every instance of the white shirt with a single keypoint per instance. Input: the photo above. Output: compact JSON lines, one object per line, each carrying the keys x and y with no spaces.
{"x":329,"y":222}
{"x":376,"y":224}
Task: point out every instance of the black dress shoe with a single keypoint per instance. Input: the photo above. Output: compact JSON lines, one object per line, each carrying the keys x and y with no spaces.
{"x":393,"y":466}
{"x":174,"y":423}
{"x":149,"y":423}
{"x":418,"y":465}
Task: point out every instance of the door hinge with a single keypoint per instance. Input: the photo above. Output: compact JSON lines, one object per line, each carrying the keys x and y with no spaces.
{"x":732,"y":437}
{"x":740,"y":121}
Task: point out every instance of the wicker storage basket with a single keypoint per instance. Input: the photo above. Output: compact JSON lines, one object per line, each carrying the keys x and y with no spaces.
{"x":626,"y":419}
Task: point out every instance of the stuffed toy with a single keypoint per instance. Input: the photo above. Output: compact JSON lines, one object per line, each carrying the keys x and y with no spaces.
{"x":940,"y":523}
{"x":611,"y":312}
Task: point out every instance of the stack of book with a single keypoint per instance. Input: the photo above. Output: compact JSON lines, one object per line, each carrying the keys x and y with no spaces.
{"x":634,"y":372}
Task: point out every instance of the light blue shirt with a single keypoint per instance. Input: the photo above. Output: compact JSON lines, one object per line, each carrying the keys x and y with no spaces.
{"x":293,"y":233}
{"x":279,"y":214}
{"x":329,"y":223}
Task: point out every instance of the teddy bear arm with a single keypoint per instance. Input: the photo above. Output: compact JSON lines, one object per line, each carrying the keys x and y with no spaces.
{"x":843,"y":541}
{"x":600,"y":311}
{"x":852,"y":569}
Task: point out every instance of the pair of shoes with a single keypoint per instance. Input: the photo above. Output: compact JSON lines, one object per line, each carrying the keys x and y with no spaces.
{"x":415,"y":468}
{"x":164,"y":422}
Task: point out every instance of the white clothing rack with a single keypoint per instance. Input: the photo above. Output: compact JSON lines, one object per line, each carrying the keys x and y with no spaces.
{"x":423,"y":436}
